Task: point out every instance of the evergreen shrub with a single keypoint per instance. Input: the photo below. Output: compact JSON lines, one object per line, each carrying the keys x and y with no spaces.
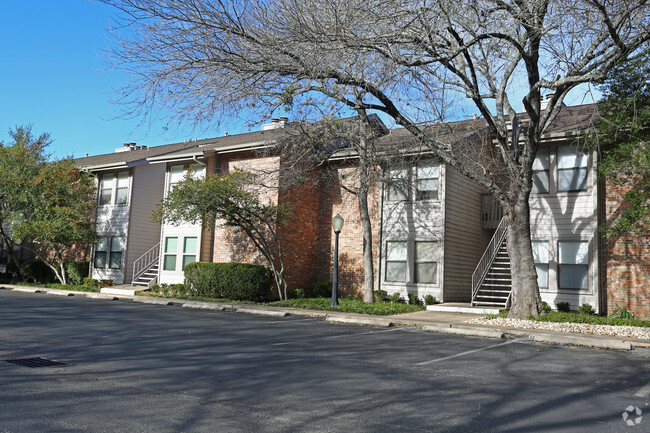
{"x":238,"y":281}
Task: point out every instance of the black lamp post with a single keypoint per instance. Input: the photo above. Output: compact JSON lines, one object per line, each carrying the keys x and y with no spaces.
{"x":337,"y":225}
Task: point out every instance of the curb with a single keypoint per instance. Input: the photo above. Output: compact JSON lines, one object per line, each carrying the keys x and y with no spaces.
{"x":578,"y":340}
{"x":153,"y":301}
{"x":203,"y":306}
{"x":359,"y":321}
{"x":472,"y":332}
{"x":261,"y":312}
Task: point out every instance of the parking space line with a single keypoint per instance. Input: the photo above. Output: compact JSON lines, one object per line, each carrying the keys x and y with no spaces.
{"x":644,"y":391}
{"x":335,"y":336}
{"x":469,"y":352}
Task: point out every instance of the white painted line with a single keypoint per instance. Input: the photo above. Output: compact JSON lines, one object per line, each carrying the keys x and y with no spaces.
{"x":644,"y":391}
{"x":469,"y":352}
{"x":335,"y":336}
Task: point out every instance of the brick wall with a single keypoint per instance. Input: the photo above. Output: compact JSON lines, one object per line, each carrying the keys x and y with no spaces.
{"x":308,"y":240}
{"x":336,"y":200}
{"x":627,"y":260}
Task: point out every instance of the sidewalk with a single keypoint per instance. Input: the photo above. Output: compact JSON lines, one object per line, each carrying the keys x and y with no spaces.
{"x":428,"y":321}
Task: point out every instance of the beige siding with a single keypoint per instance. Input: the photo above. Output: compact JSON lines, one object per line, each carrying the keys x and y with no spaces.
{"x":465,"y":241}
{"x":567,"y":216}
{"x":146,"y":194}
{"x":412,"y":221}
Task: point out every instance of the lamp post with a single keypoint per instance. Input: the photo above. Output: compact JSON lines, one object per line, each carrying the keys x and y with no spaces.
{"x":337,"y":225}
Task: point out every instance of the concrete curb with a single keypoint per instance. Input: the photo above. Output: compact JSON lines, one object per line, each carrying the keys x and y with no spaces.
{"x":359,"y":321}
{"x":578,"y":340}
{"x":203,"y":306}
{"x":472,"y":332}
{"x":261,"y":312}
{"x":155,"y":301}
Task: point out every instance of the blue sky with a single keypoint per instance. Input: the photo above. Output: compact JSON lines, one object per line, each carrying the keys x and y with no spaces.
{"x":55,"y":76}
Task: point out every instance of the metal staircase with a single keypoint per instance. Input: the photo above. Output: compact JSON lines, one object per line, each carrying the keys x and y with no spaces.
{"x":145,"y":268}
{"x":492,"y":281}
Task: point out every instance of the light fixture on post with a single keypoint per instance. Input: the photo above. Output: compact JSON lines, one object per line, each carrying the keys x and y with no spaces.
{"x":337,"y":225}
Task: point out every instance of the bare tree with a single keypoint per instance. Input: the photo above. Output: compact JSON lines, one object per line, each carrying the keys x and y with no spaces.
{"x":410,"y":60}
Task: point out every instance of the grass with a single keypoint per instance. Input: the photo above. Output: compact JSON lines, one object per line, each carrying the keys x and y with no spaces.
{"x":59,"y":286}
{"x":561,"y":317}
{"x":349,"y":306}
{"x":345,"y":305}
{"x":557,"y":316}
{"x":71,"y":287}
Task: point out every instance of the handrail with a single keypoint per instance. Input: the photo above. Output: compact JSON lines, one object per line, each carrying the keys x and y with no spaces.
{"x":488,"y":257}
{"x":144,"y":262}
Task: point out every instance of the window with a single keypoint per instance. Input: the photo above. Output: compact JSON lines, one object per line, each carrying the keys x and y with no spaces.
{"x":177,"y":173}
{"x":540,"y":256}
{"x":169,"y":259}
{"x":426,"y":262}
{"x":571,"y":169}
{"x":189,"y":251}
{"x":398,"y":184}
{"x":541,"y":172}
{"x":573,"y":264}
{"x":101,"y":250}
{"x":109,"y":250}
{"x":426,"y":181}
{"x":396,"y":261}
{"x":420,"y":182}
{"x":114,"y":188}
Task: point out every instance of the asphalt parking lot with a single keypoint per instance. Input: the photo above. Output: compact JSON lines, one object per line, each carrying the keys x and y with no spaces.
{"x":136,"y":367}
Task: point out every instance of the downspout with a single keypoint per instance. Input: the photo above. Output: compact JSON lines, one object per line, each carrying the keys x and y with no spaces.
{"x":380,"y":235}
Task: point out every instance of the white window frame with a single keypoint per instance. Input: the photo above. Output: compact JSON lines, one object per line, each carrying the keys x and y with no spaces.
{"x":541,"y":259}
{"x":571,"y":159}
{"x":565,"y":263}
{"x":411,"y":261}
{"x":172,"y":180}
{"x":109,"y":252}
{"x":429,"y":261}
{"x":403,"y":182}
{"x":542,"y":171}
{"x":115,"y":187}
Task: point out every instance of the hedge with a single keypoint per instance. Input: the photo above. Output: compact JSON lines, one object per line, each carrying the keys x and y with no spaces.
{"x":239,"y":281}
{"x":37,"y":271}
{"x":76,"y":272}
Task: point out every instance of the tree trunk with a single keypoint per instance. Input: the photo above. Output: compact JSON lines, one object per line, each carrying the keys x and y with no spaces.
{"x":366,"y":227}
{"x":525,"y":301}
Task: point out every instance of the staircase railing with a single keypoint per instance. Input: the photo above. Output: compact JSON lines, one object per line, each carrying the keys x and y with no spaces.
{"x":145,"y":261}
{"x":488,"y":257}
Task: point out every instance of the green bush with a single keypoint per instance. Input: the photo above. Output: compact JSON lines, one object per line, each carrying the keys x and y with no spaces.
{"x":37,"y":271}
{"x":239,"y":281}
{"x":6,"y":277}
{"x":91,"y":282}
{"x":297,"y":293}
{"x":396,"y":298}
{"x":563,"y":307}
{"x":414,"y":299}
{"x":621,"y":312}
{"x":430,"y":300}
{"x":380,"y":295}
{"x":321,"y":287}
{"x":350,"y":306}
{"x":76,"y":272}
{"x":586,"y":309}
{"x":547,"y":308}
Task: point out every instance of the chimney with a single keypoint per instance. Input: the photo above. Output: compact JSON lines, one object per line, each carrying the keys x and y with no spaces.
{"x":276,"y":123}
{"x":474,"y":116}
{"x":225,"y":134}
